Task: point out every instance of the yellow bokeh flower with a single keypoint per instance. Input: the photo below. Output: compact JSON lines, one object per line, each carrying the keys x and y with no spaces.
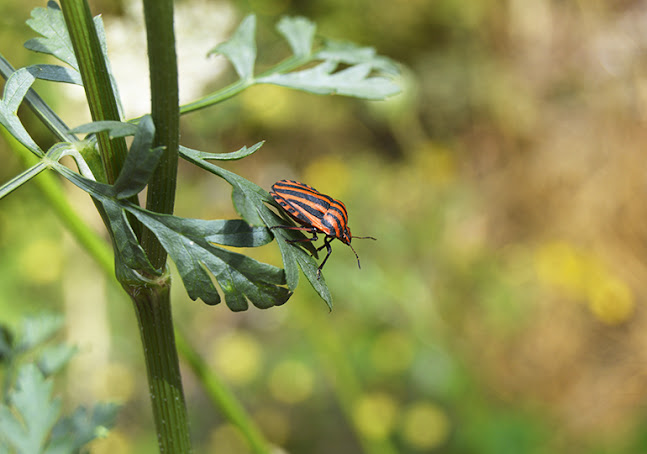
{"x":611,"y":300}
{"x":425,"y":426}
{"x":291,"y":382}
{"x":375,"y":415}
{"x":237,"y":357}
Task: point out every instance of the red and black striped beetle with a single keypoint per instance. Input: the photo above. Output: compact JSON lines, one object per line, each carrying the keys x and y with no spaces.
{"x":316,"y":212}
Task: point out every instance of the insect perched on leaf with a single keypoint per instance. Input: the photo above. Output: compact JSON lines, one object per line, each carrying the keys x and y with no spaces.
{"x":316,"y":212}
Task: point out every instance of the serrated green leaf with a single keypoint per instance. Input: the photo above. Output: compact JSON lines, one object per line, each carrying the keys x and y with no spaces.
{"x":299,"y":33}
{"x":140,"y":163}
{"x":54,"y":358}
{"x":97,"y":190}
{"x":288,"y":254}
{"x":245,"y":207}
{"x":352,"y":54}
{"x":233,"y":232}
{"x":38,"y":329}
{"x":309,"y":267}
{"x":15,"y":90}
{"x":115,"y":128}
{"x":353,"y":81}
{"x":240,"y":277}
{"x":55,"y":73}
{"x":250,"y":197}
{"x":84,"y":425}
{"x":240,"y":49}
{"x":27,"y":427}
{"x":125,"y":243}
{"x":55,"y":40}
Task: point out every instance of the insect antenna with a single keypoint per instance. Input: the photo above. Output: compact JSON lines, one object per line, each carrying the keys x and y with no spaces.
{"x":353,"y":249}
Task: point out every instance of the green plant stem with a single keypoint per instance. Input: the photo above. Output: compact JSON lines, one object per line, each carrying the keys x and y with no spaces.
{"x":233,"y":89}
{"x":166,"y":116}
{"x":342,"y":376}
{"x":100,"y":251}
{"x":153,"y":308}
{"x":150,"y":295}
{"x":223,"y":398}
{"x":96,"y":82}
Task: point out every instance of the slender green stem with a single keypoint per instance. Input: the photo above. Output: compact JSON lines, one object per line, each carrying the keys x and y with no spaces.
{"x":21,"y":179}
{"x":166,"y":116}
{"x":223,"y":398}
{"x":233,"y":89}
{"x":96,"y":81}
{"x":152,"y":301}
{"x":346,"y":384}
{"x":153,"y":308}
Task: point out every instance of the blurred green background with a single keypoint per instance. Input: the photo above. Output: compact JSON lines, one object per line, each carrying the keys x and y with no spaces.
{"x":500,"y":309}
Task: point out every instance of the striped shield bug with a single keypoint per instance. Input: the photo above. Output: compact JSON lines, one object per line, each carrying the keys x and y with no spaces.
{"x":316,"y":212}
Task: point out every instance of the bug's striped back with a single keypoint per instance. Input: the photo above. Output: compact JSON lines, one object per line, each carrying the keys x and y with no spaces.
{"x":312,"y":208}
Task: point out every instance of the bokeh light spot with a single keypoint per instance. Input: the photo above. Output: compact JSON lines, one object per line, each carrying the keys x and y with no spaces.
{"x":611,"y":300}
{"x":238,"y":357}
{"x":425,"y":426}
{"x":375,"y":415}
{"x":41,"y":262}
{"x":291,"y":382}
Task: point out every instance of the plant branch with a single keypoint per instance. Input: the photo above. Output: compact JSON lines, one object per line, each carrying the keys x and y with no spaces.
{"x":166,"y":116}
{"x":96,"y":82}
{"x":233,"y":89}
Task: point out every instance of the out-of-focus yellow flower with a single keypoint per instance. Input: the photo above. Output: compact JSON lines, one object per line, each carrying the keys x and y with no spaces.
{"x":41,"y":262}
{"x":329,"y":175}
{"x":375,"y":415}
{"x":559,"y":264}
{"x":392,"y":352}
{"x":611,"y":300}
{"x":585,"y":277}
{"x":291,"y":382}
{"x":425,"y":426}
{"x":237,"y":357}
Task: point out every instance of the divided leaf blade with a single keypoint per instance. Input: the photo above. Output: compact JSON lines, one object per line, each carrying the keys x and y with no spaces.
{"x":240,"y":49}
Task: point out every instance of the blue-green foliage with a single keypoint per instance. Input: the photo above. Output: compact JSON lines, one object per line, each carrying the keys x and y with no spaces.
{"x":31,"y":420}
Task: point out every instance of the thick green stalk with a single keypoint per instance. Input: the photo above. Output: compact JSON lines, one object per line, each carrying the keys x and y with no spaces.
{"x":152,"y":300}
{"x":162,"y":62}
{"x":153,"y":308}
{"x":150,"y":295}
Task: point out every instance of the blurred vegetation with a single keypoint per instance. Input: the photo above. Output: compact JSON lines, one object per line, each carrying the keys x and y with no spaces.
{"x":500,"y":309}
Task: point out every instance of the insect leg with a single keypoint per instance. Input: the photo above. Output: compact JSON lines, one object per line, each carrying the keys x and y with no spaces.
{"x":329,"y":249}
